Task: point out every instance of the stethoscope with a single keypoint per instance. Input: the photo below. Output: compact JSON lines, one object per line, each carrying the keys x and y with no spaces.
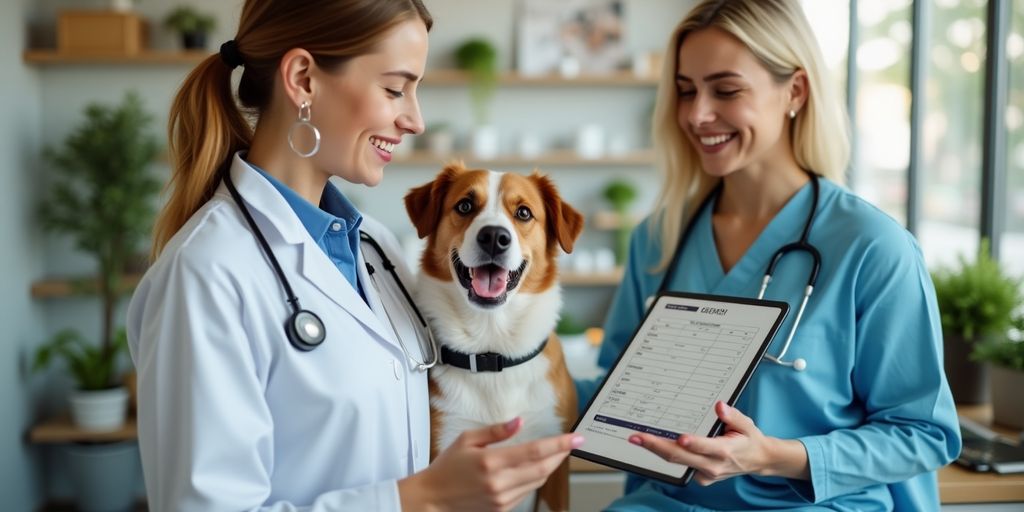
{"x":801,"y":245}
{"x":304,"y":329}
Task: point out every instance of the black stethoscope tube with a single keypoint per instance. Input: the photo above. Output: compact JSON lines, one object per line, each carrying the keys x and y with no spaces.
{"x":304,"y":329}
{"x":801,"y":245}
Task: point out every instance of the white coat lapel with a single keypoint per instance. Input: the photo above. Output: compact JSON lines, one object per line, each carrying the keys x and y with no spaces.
{"x":314,"y":266}
{"x":373,"y":297}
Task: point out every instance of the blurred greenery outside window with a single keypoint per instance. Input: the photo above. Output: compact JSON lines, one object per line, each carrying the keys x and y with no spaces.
{"x":951,"y":133}
{"x":1012,"y":248}
{"x":882,"y":112}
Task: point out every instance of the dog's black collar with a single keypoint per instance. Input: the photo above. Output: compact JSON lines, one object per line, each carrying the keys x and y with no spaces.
{"x":486,"y":362}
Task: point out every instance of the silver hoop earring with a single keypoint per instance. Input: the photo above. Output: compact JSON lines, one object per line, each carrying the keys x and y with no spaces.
{"x":304,"y":115}
{"x":792,"y":114}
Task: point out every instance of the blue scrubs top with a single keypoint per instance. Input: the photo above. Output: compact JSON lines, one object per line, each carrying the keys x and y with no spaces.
{"x":873,"y":408}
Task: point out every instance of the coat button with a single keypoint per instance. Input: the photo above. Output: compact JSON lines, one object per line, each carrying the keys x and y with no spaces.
{"x":397,"y":367}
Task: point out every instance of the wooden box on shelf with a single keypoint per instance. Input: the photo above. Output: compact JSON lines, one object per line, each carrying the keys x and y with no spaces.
{"x":83,"y":32}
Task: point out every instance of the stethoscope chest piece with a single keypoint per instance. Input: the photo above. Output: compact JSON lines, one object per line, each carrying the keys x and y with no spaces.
{"x":305,"y":330}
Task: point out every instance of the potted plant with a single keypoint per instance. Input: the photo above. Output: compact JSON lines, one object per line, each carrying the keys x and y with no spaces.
{"x":479,"y":58}
{"x":621,"y":194}
{"x":102,"y":198}
{"x":192,"y":25}
{"x":975,"y":302}
{"x":1006,"y":356}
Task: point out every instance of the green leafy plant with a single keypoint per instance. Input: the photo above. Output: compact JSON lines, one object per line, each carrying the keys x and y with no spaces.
{"x":567,"y":324}
{"x":479,"y":57}
{"x":977,"y":299}
{"x":92,"y":366}
{"x":103,"y":198}
{"x":1006,"y":351}
{"x":191,"y":25}
{"x":187,"y":20}
{"x":621,"y":194}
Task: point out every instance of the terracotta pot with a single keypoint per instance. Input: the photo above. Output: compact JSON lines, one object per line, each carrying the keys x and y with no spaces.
{"x":968,"y":380}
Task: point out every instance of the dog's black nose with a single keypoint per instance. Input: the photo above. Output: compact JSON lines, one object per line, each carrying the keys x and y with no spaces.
{"x":494,"y":240}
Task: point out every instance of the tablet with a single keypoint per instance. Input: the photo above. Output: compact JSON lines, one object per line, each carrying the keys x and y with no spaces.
{"x":689,"y":351}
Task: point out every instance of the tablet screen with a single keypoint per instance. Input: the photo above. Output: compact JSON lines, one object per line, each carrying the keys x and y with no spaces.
{"x":689,"y":351}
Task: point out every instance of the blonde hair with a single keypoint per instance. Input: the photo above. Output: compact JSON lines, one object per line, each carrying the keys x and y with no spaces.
{"x":206,"y":125}
{"x":778,"y":34}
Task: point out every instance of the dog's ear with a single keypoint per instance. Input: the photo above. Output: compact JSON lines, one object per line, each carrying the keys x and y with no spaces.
{"x":564,"y":223}
{"x":424,"y":203}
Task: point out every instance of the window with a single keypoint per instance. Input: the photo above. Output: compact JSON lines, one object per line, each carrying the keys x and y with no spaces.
{"x":1012,"y":243}
{"x":952,"y":133}
{"x":882,"y":114}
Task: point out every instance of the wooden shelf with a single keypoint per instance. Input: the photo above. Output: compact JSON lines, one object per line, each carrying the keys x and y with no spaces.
{"x":149,"y":57}
{"x":53,"y":288}
{"x":606,"y":220}
{"x":591,"y":279}
{"x":559,"y":158}
{"x":452,"y":77}
{"x":73,"y":286}
{"x":434,"y":77}
{"x":61,"y":430}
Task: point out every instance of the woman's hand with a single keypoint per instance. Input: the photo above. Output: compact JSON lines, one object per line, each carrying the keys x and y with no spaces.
{"x":741,"y":449}
{"x":469,"y":475}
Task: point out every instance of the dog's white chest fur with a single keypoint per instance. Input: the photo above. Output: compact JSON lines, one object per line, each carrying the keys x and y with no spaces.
{"x":470,"y":400}
{"x":473,"y":400}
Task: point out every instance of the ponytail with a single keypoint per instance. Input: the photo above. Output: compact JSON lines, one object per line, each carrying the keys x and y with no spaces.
{"x":205,"y":129}
{"x":206,"y":126}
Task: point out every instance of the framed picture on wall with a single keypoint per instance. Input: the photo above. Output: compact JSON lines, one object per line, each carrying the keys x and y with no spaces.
{"x":570,"y":36}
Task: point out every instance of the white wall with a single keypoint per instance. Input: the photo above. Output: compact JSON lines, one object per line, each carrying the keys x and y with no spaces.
{"x":20,"y":261}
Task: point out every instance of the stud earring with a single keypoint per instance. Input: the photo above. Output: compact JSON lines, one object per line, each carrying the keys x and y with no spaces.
{"x":304,"y":115}
{"x":792,"y":114}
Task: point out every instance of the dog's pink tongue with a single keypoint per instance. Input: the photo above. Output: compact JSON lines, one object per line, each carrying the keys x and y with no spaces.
{"x":489,"y":281}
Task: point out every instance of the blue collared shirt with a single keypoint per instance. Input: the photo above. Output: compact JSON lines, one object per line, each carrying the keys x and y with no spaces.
{"x":334,"y":226}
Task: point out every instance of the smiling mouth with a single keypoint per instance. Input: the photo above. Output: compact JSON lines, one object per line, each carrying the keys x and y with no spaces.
{"x":487,"y":285}
{"x":716,"y":140}
{"x":387,"y":147}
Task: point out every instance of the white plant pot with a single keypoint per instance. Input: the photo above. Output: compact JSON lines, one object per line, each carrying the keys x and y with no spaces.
{"x":485,"y":142}
{"x":122,"y":5}
{"x":1007,"y":407}
{"x":440,"y":143}
{"x":99,"y":411}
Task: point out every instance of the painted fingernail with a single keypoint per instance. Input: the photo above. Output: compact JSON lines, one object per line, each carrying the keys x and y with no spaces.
{"x":577,"y":441}
{"x":513,"y":424}
{"x":636,"y":440}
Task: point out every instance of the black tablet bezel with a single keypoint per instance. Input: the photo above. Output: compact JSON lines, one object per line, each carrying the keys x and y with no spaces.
{"x":716,"y":429}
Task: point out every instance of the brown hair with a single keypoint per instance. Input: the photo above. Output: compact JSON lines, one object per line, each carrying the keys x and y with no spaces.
{"x":207,"y":127}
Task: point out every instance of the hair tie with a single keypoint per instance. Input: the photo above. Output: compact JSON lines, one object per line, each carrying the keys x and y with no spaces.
{"x":230,"y":55}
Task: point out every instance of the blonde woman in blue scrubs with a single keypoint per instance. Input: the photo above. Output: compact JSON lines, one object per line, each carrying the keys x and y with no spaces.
{"x":745,"y":116}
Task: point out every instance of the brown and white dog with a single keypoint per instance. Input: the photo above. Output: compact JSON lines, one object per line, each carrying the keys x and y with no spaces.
{"x":489,"y":289}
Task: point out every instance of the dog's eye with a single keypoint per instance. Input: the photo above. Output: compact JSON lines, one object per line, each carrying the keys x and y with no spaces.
{"x":463,"y":207}
{"x":524,"y":213}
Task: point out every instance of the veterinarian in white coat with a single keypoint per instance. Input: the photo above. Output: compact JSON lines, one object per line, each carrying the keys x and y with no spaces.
{"x":233,"y":413}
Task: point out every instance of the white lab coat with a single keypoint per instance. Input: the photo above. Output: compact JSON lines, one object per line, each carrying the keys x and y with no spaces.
{"x":231,"y":416}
